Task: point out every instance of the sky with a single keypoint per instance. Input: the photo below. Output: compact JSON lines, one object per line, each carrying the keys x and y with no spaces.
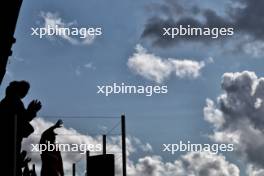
{"x":215,"y":86}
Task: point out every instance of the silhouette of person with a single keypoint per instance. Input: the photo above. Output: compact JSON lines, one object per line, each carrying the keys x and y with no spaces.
{"x":24,"y":163}
{"x":51,"y":160}
{"x":15,"y":117}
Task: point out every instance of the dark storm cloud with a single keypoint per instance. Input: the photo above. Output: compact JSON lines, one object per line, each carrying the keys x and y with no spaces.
{"x":250,"y":18}
{"x":246,"y":17}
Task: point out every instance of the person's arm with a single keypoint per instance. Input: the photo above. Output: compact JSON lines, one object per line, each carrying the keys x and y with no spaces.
{"x":49,"y":130}
{"x":33,"y":107}
{"x":58,"y":124}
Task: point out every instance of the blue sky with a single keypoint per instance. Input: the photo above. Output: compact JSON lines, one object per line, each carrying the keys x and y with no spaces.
{"x":59,"y":79}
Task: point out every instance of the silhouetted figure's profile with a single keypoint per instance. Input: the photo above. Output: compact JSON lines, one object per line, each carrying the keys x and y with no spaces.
{"x":51,"y":160}
{"x":15,"y":117}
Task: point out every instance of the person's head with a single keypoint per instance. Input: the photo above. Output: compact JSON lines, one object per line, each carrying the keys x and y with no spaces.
{"x":18,"y":88}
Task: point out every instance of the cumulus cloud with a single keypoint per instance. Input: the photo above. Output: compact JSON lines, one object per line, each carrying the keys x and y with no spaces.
{"x":190,"y":164}
{"x":53,"y":19}
{"x":71,"y":136}
{"x":157,"y":69}
{"x":213,"y":115}
{"x":252,"y":171}
{"x":206,"y":164}
{"x":258,"y":103}
{"x":238,"y":117}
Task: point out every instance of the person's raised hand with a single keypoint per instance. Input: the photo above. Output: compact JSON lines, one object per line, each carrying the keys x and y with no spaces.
{"x":58,"y":124}
{"x":34,"y":105}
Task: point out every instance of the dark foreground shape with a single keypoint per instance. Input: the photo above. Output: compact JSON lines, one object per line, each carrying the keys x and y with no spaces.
{"x":9,"y":15}
{"x":15,"y":120}
{"x":106,"y":163}
{"x":51,"y":160}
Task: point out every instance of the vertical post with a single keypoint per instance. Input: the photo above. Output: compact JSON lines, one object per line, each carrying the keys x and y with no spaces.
{"x":34,"y":169}
{"x":123,"y":132}
{"x":104,"y":144}
{"x":73,"y":169}
{"x":87,"y":161}
{"x":15,"y":147}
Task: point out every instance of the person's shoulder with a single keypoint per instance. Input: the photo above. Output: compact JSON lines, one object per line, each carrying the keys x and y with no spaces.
{"x":19,"y":103}
{"x":3,"y":101}
{"x":8,"y":102}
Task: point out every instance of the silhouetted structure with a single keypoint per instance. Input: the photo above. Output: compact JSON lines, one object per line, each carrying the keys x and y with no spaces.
{"x":73,"y":169}
{"x":24,"y":160}
{"x":51,"y":160}
{"x":106,"y":163}
{"x":101,"y":165}
{"x":123,"y":135}
{"x":9,"y":15}
{"x":26,"y":170}
{"x":16,"y":119}
{"x":33,"y":171}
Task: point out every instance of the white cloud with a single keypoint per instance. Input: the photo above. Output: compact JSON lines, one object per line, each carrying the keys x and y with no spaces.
{"x":252,"y":171}
{"x":239,"y":118}
{"x":186,"y":68}
{"x":71,"y":136}
{"x":190,"y":164}
{"x":206,"y":164}
{"x":157,"y":69}
{"x":81,"y":68}
{"x":258,"y":103}
{"x":144,"y":147}
{"x":255,"y":48}
{"x":213,"y":115}
{"x":53,"y":19}
{"x":89,"y":65}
